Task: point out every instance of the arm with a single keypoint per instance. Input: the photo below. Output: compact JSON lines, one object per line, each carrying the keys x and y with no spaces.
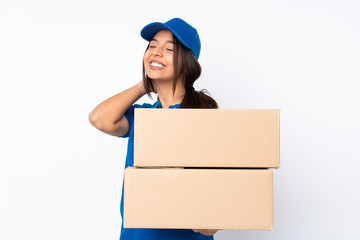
{"x":108,"y":116}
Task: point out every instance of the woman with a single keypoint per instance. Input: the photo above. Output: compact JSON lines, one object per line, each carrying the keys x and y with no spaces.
{"x":170,"y":68}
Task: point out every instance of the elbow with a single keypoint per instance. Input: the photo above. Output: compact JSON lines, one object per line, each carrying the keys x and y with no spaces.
{"x":101,"y":123}
{"x":93,"y":118}
{"x":96,"y":121}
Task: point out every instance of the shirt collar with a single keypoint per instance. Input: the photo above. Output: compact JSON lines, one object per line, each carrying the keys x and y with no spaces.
{"x":157,"y":104}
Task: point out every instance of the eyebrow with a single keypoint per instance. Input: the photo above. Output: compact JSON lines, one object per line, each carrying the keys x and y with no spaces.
{"x":169,"y":41}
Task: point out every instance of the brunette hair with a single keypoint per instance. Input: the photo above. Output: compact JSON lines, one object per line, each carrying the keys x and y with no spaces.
{"x":190,"y":70}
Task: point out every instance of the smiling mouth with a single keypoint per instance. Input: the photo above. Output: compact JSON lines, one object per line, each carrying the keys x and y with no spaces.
{"x":156,"y":65}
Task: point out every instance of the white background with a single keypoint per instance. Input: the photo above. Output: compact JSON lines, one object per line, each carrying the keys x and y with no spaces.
{"x":60,"y":178}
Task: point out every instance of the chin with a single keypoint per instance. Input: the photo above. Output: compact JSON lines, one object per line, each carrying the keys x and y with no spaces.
{"x":158,"y":78}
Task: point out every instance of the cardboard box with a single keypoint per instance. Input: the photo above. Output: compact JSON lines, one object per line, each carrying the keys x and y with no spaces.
{"x":207,"y":138}
{"x":198,"y":198}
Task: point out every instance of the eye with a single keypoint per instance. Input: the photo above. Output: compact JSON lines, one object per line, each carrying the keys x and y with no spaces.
{"x":170,"y":49}
{"x":152,"y":46}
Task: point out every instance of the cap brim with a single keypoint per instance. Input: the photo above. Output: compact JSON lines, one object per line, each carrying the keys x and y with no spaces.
{"x":150,"y":30}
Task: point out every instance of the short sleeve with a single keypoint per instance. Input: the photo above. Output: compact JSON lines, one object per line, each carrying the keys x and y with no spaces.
{"x":129,"y":114}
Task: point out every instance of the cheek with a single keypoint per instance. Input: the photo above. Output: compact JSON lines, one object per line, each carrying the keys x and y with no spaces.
{"x":146,"y":55}
{"x":145,"y":59}
{"x":170,"y":61}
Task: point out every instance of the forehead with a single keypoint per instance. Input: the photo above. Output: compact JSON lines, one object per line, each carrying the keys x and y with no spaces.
{"x":164,"y":35}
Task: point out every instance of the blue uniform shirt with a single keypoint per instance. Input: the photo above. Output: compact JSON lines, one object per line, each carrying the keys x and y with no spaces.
{"x":147,"y":233}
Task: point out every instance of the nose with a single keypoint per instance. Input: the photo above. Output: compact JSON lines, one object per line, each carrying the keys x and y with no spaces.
{"x":157,"y":52}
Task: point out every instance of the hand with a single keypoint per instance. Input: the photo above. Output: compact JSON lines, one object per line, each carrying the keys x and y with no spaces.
{"x":141,"y":88}
{"x":207,"y":232}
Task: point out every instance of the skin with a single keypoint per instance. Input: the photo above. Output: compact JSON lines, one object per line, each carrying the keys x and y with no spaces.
{"x":108,"y":116}
{"x":161,"y":50}
{"x":207,"y":232}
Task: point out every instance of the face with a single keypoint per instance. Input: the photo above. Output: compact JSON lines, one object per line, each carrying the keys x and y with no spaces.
{"x":158,"y":59}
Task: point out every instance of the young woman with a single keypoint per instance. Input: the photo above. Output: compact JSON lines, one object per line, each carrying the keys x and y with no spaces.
{"x":170,"y":68}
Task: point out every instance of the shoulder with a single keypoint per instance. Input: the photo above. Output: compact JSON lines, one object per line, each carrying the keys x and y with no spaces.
{"x":130,"y":110}
{"x":144,"y":105}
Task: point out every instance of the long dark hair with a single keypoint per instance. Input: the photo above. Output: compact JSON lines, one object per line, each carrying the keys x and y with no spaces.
{"x":190,"y":70}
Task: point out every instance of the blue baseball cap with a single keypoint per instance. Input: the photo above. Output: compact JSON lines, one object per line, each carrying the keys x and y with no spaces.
{"x":183,"y":31}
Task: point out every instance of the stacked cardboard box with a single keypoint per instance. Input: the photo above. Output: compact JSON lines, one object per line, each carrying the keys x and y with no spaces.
{"x":202,"y":169}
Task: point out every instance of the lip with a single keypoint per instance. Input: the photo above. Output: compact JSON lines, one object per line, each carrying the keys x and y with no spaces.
{"x":156,"y":68}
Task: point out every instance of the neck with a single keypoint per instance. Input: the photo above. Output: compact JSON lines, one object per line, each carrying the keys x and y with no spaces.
{"x":165,"y":92}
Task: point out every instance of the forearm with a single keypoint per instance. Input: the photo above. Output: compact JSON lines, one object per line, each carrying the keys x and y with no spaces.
{"x":107,"y":115}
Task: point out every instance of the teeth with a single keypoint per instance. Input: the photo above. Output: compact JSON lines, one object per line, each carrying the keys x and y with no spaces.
{"x":155,"y":64}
